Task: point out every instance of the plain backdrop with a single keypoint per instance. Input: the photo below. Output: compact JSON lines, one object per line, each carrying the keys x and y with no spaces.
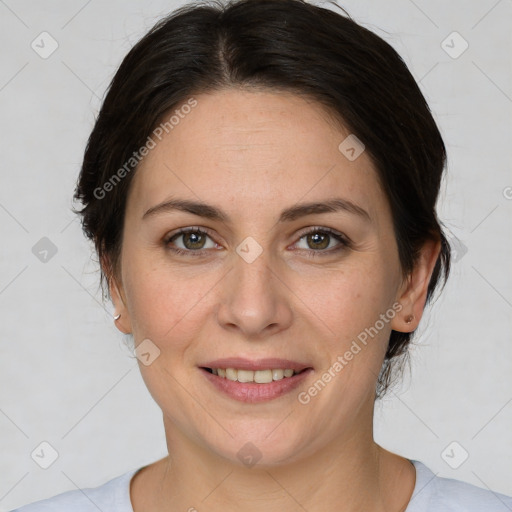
{"x":67,"y":377}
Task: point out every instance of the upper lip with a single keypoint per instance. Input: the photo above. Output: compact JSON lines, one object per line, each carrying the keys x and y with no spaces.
{"x":256,"y":364}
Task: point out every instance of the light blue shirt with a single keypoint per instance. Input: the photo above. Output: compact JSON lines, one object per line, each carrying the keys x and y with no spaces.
{"x":431,"y":494}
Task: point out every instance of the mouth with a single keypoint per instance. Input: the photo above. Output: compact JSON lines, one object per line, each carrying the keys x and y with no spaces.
{"x":255,"y":381}
{"x":258,"y":376}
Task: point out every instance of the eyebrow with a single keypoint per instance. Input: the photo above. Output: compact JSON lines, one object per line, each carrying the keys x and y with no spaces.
{"x":289,"y":214}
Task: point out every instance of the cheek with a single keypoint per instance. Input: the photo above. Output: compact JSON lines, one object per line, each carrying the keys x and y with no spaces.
{"x":351,"y":299}
{"x":171,"y":304}
{"x":351,"y":304}
{"x":163,"y":302}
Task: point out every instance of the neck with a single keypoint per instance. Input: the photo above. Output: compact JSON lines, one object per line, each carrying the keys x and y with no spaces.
{"x":353,"y":473}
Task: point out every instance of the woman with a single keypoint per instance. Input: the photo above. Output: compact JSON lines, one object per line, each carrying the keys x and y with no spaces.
{"x":261,"y":186}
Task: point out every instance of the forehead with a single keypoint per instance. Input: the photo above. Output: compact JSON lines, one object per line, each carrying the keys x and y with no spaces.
{"x":242,"y":148}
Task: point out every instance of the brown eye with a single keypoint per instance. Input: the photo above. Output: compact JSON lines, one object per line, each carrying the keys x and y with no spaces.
{"x":192,"y":240}
{"x":322,"y":240}
{"x":318,"y":240}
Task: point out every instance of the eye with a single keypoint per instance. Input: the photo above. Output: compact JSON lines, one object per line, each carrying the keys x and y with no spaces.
{"x":191,"y":241}
{"x":194,"y":241}
{"x":322,"y":240}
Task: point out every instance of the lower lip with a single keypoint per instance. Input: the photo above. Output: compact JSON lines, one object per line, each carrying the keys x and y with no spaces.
{"x":253,"y":392}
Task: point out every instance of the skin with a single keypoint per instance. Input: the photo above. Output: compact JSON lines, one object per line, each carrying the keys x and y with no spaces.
{"x":253,"y":154}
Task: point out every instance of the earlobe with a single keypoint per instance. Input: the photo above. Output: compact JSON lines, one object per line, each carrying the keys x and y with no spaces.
{"x":121,"y":317}
{"x":405,"y":321}
{"x":414,"y":297}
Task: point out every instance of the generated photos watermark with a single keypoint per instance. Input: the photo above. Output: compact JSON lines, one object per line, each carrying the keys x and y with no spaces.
{"x":143,"y":151}
{"x":304,"y":397}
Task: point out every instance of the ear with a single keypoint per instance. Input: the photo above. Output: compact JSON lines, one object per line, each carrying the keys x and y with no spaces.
{"x":413,"y":292}
{"x":123,"y":323}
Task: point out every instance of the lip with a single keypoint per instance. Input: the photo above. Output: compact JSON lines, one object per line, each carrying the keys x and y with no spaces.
{"x":259,"y":364}
{"x":252,"y":392}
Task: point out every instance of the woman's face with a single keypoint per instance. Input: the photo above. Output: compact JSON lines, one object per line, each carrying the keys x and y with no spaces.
{"x":255,"y":285}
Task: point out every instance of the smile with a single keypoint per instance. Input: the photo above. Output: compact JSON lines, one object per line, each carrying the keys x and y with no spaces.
{"x":256,"y":384}
{"x":258,"y":376}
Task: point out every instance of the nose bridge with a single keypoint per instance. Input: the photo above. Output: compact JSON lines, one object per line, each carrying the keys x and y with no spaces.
{"x":254,"y":300}
{"x":252,"y":277}
{"x":252,"y":269}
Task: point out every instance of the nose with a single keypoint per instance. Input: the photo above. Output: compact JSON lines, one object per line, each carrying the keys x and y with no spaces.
{"x":254,"y":300}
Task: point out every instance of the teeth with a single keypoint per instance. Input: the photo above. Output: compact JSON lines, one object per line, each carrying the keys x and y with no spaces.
{"x":258,"y":376}
{"x":231,"y":374}
{"x":245,"y":376}
{"x":277,"y":374}
{"x":262,"y":376}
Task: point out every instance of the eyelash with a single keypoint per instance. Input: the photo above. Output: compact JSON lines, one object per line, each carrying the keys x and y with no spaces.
{"x":311,"y":253}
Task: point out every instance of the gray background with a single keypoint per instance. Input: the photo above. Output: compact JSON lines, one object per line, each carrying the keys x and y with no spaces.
{"x":66,"y":375}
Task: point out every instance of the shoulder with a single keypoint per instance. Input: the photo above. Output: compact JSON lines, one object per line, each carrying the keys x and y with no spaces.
{"x":113,"y":496}
{"x":433,"y":493}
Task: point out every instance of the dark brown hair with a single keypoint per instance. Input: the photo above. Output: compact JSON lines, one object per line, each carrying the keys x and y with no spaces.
{"x":288,"y":45}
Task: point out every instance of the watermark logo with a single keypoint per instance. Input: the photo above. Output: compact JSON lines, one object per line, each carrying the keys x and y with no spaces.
{"x":44,"y":45}
{"x":249,"y":249}
{"x":454,"y":45}
{"x":352,"y":148}
{"x":146,"y":352}
{"x":249,"y":454}
{"x":44,"y":250}
{"x":454,"y":455}
{"x":44,"y":455}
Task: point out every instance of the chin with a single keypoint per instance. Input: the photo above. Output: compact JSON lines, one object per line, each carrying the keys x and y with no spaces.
{"x":263,"y":446}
